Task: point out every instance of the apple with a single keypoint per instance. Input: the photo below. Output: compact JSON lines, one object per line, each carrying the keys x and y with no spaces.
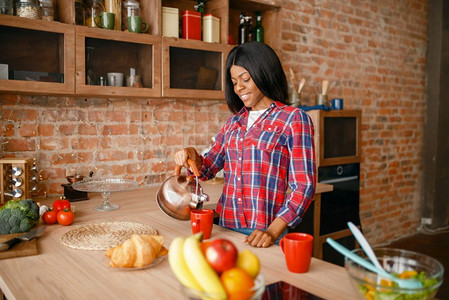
{"x":221,"y":254}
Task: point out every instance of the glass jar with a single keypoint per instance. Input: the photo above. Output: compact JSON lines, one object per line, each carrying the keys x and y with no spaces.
{"x":80,"y":13}
{"x":6,"y":7}
{"x":131,"y":8}
{"x":94,"y":9}
{"x":47,"y":10}
{"x":28,"y":9}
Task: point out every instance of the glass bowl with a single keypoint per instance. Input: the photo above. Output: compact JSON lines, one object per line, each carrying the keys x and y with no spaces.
{"x":258,"y":288}
{"x":396,"y":261}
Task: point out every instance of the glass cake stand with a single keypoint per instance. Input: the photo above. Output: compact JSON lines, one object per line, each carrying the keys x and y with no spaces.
{"x":105,"y":186}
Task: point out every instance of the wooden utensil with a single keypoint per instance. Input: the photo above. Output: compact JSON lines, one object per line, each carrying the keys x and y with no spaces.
{"x":301,"y":85}
{"x":325,"y":86}
{"x":292,"y":78}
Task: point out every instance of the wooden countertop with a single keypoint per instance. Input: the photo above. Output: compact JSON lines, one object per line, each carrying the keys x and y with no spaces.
{"x":59,"y":272}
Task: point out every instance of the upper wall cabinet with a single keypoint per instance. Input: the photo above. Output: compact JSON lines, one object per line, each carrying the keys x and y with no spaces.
{"x":36,"y":56}
{"x":63,"y":58}
{"x":133,"y":60}
{"x":193,"y":69}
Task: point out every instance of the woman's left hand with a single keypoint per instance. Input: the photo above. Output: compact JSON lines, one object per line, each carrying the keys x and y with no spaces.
{"x":260,"y":239}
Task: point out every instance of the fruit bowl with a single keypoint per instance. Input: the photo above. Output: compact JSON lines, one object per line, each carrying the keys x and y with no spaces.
{"x":257,"y":291}
{"x":396,"y":261}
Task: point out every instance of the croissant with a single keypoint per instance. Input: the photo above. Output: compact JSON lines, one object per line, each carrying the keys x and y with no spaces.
{"x":137,"y":251}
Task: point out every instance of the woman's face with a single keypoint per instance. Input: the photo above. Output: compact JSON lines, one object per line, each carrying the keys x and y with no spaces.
{"x":247,"y":90}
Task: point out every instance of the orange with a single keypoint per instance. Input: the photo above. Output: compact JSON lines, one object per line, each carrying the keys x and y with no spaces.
{"x":237,"y":283}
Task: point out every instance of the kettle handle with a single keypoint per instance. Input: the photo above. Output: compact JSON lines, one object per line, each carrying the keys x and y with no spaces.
{"x":192,"y":165}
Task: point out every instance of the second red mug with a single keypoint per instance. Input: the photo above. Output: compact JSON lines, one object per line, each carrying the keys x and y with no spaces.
{"x":297,"y":248}
{"x":202,"y":220}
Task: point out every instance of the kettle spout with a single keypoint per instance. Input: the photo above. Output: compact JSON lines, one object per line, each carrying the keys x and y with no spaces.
{"x":199,"y":199}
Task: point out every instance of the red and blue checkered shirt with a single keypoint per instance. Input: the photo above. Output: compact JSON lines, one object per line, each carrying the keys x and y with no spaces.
{"x":260,"y":163}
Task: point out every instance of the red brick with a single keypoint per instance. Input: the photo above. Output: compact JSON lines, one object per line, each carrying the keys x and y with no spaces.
{"x":115,"y":129}
{"x":46,"y":130}
{"x":87,"y":129}
{"x":19,"y":145}
{"x":69,"y":129}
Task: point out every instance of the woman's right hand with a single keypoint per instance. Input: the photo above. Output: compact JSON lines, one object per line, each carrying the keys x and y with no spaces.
{"x":185,"y":154}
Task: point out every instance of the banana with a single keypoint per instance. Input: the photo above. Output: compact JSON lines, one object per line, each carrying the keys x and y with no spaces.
{"x":179,"y":266}
{"x":206,"y":277}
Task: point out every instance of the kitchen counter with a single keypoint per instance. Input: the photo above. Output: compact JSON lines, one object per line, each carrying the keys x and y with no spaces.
{"x":59,"y":272}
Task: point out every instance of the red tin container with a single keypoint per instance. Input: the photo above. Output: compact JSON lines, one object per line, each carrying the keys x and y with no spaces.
{"x":191,"y":25}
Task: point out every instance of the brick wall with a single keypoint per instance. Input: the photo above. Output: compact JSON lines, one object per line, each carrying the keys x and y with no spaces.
{"x":374,"y":50}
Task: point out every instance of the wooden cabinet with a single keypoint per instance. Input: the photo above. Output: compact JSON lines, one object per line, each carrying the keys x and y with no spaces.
{"x":71,"y":55}
{"x":337,"y":136}
{"x":193,"y":69}
{"x":39,"y":56}
{"x":100,"y":51}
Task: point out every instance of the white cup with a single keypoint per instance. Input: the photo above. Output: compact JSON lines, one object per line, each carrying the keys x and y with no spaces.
{"x":115,"y":79}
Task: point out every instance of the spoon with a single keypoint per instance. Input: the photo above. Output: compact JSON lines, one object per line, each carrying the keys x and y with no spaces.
{"x":403,"y":283}
{"x":365,"y":245}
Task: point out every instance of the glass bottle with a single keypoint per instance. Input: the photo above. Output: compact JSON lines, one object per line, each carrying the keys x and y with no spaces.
{"x":6,"y":7}
{"x":80,"y":13}
{"x":242,"y":28}
{"x":28,"y":9}
{"x":90,"y":75}
{"x":258,"y":30}
{"x":94,"y":8}
{"x":131,"y":8}
{"x":200,"y":8}
{"x":249,"y":28}
{"x":47,"y":10}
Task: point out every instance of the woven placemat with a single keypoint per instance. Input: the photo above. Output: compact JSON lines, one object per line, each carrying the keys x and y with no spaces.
{"x":102,"y":236}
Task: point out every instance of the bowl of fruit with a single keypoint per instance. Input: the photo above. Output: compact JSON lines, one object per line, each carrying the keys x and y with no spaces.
{"x":402,"y":264}
{"x":215,"y":269}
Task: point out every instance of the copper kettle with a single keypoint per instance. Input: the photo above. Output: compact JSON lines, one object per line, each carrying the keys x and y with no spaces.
{"x":179,"y":194}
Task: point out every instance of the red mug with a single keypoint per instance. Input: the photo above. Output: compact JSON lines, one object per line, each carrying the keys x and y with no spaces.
{"x":202,"y":220}
{"x":297,"y":248}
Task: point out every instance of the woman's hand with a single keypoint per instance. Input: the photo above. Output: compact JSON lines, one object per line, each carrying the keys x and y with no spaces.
{"x":260,"y":239}
{"x":185,"y":154}
{"x":267,"y":238}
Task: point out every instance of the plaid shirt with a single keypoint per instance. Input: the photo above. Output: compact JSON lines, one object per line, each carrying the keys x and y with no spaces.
{"x":259,"y":165}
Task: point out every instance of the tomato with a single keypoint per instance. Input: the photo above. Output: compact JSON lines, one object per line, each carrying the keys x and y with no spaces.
{"x":66,"y":217}
{"x":61,"y":204}
{"x":50,"y":216}
{"x":65,"y":203}
{"x":221,"y":254}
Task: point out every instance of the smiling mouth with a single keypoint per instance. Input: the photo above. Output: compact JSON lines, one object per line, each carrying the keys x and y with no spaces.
{"x":244,"y":97}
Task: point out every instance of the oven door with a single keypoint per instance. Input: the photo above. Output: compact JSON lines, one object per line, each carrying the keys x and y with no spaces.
{"x":342,"y":204}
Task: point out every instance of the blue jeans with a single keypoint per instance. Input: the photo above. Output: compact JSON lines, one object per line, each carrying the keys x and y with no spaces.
{"x":248,"y":231}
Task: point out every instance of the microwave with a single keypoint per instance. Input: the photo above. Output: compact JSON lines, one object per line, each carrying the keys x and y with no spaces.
{"x":337,"y":136}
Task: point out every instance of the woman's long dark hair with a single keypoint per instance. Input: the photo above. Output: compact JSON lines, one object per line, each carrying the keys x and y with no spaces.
{"x":265,"y":69}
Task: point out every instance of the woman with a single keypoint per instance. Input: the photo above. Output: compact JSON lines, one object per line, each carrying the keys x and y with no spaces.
{"x":264,"y":148}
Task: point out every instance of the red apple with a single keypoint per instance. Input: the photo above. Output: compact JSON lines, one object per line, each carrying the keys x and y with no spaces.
{"x":221,"y":254}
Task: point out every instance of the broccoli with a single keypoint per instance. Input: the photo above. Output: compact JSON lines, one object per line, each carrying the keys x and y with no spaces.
{"x":18,"y":216}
